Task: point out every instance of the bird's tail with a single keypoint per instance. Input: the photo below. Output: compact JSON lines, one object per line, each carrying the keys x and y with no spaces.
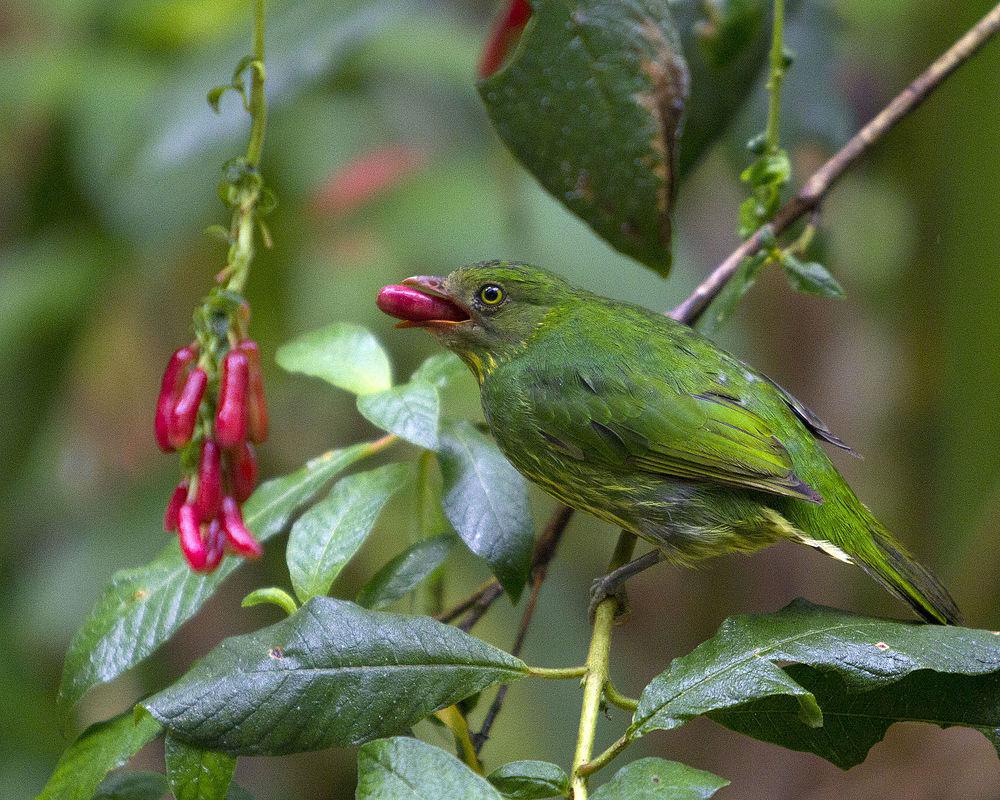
{"x":866,"y":542}
{"x":909,"y":580}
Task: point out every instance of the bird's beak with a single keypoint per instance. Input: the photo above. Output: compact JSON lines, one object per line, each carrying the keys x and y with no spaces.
{"x":421,"y":302}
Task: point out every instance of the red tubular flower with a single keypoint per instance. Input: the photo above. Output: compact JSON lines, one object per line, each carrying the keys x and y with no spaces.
{"x":209,"y":481}
{"x":257,"y":421}
{"x":244,"y":473}
{"x":504,"y":35}
{"x":177,"y":499}
{"x":189,"y":531}
{"x":215,"y":545}
{"x":170,"y":389}
{"x":239,"y":536}
{"x":185,"y":411}
{"x":231,"y":418}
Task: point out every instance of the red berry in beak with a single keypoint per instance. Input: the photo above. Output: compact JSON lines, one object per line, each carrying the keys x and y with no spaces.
{"x":231,"y":418}
{"x":412,"y":305}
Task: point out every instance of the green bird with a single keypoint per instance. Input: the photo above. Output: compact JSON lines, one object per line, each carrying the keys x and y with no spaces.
{"x":624,"y":413}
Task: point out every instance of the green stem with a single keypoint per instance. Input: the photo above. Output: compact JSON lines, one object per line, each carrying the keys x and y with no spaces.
{"x":258,"y":101}
{"x":459,"y":726}
{"x":557,"y":673}
{"x":606,"y":757}
{"x":775,"y":78}
{"x":616,"y":698}
{"x":597,"y":671}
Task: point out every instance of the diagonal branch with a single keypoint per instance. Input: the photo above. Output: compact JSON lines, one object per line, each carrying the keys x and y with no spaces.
{"x":815,"y":189}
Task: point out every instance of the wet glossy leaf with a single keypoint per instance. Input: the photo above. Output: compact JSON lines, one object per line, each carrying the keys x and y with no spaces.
{"x":197,"y":774}
{"x":736,"y":674}
{"x":486,"y":501}
{"x":411,"y":411}
{"x":591,"y":102}
{"x":657,"y":779}
{"x":344,"y":354}
{"x":128,"y":785}
{"x":390,"y":769}
{"x":100,"y":749}
{"x":439,"y":369}
{"x":331,"y":674}
{"x":328,"y":535}
{"x":404,"y":573}
{"x":143,"y":607}
{"x":811,"y":277}
{"x":530,"y":780}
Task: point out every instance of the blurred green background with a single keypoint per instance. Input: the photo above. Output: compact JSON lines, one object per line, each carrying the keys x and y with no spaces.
{"x":109,"y":157}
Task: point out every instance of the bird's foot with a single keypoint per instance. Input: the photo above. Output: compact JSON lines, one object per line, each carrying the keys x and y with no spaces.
{"x":603,"y":588}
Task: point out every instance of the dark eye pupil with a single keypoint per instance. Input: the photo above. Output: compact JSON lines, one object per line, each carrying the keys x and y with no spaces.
{"x":491,"y":294}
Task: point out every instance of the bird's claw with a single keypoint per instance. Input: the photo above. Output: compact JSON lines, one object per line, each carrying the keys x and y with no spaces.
{"x":600,"y":590}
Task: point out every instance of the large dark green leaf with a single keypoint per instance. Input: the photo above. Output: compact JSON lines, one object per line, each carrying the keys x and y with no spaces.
{"x":855,"y":721}
{"x":331,"y":674}
{"x":392,"y":769}
{"x":100,"y":749}
{"x":127,"y":785}
{"x":486,"y":500}
{"x":738,"y":670}
{"x":197,"y":774}
{"x":656,"y":779}
{"x":412,"y":411}
{"x":343,"y":354}
{"x":142,"y":607}
{"x":405,"y":572}
{"x":530,"y":780}
{"x":328,"y":535}
{"x":591,"y":102}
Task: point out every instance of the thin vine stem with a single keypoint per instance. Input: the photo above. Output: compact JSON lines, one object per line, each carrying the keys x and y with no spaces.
{"x":775,"y":79}
{"x":258,"y":99}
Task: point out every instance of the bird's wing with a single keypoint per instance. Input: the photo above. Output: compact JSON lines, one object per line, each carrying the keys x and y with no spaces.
{"x":652,"y":426}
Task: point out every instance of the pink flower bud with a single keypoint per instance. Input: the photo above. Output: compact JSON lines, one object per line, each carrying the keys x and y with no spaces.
{"x":239,"y":536}
{"x":215,"y":546}
{"x":189,"y":532}
{"x":185,"y":411}
{"x":244,"y":476}
{"x":177,"y":499}
{"x":257,"y":421}
{"x":231,"y":418}
{"x":170,"y":389}
{"x":209,"y":481}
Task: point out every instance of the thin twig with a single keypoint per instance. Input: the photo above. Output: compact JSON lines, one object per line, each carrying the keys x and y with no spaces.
{"x":823,"y":179}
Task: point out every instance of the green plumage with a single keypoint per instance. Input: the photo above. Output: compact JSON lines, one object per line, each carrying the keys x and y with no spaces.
{"x":626,"y":414}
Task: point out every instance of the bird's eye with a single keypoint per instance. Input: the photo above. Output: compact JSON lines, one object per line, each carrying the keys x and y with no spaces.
{"x":491,"y":294}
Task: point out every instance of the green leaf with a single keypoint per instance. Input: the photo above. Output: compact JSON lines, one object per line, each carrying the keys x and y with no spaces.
{"x":143,"y":607}
{"x":127,"y":785}
{"x":270,"y":595}
{"x":328,"y":535}
{"x":439,"y":369}
{"x":332,"y":674}
{"x":855,"y":721}
{"x":411,"y":411}
{"x":811,"y":278}
{"x":591,"y":103}
{"x":530,"y":780}
{"x":100,"y":749}
{"x":404,"y":573}
{"x":722,"y":307}
{"x":725,"y":44}
{"x":197,"y":774}
{"x":344,"y":354}
{"x":739,"y":666}
{"x":391,"y":769}
{"x":486,"y":501}
{"x":657,"y":779}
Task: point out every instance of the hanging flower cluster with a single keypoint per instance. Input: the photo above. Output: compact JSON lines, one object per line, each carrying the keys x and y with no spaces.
{"x":212,"y":409}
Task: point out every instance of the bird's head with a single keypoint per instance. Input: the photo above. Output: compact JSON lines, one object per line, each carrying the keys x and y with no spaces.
{"x":483,"y":312}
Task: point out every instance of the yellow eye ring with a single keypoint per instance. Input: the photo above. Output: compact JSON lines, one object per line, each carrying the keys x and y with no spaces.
{"x":491,"y":294}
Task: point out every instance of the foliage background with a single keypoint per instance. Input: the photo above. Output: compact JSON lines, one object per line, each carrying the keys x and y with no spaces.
{"x":108,"y":161}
